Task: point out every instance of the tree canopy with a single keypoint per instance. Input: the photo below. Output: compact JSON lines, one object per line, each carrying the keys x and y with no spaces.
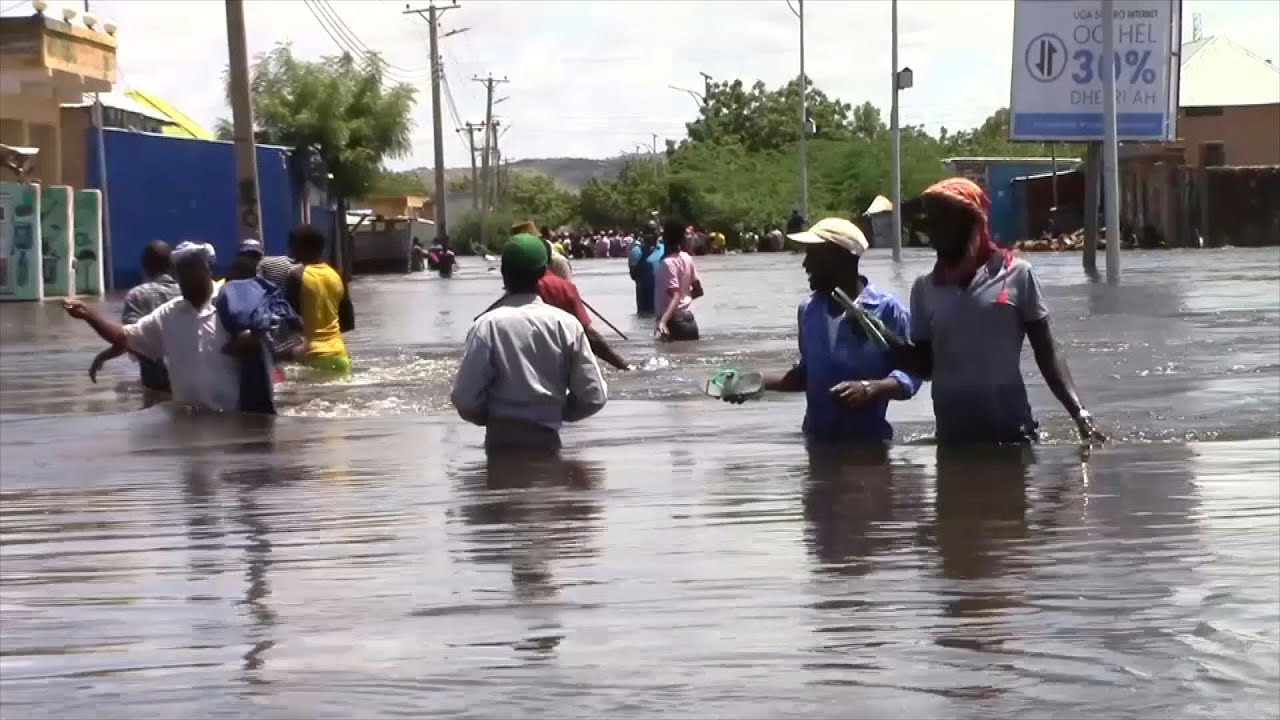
{"x":737,"y":168}
{"x":339,"y":106}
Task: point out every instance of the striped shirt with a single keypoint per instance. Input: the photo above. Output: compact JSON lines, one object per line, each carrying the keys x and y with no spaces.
{"x":140,"y":302}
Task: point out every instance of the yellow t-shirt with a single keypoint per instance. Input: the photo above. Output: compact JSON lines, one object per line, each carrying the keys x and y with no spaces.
{"x":322,"y":292}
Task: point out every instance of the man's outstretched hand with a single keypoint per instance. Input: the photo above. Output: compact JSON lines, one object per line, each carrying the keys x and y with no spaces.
{"x":76,"y":309}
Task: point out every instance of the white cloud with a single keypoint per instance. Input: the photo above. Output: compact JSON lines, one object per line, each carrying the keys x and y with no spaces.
{"x":590,"y":77}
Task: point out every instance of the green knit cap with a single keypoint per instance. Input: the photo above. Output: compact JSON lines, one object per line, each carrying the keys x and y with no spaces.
{"x":525,"y":253}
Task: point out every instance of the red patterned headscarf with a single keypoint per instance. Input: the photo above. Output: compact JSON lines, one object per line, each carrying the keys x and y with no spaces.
{"x":971,"y":195}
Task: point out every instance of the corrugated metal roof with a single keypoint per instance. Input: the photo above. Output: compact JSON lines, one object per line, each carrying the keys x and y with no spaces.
{"x":183,"y":125}
{"x":1218,"y":72}
{"x":121,"y":101}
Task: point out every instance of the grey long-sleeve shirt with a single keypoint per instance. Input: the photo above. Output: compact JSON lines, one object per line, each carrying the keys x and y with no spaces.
{"x":528,"y":362}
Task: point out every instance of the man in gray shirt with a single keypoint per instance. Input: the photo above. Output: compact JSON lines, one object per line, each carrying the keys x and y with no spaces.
{"x":968,"y":320}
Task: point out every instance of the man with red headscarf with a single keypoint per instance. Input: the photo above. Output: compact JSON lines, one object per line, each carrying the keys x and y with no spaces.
{"x":968,"y":320}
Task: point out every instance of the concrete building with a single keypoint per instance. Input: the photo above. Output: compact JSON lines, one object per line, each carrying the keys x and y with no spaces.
{"x":1229,"y":105}
{"x":46,"y":61}
{"x":118,"y":111}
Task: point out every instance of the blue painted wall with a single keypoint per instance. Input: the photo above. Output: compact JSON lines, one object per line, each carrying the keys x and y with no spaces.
{"x":1006,"y":214}
{"x":173,"y":189}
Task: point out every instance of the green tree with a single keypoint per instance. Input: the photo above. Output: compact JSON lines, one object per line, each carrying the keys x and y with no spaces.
{"x":625,"y":201}
{"x":762,"y":119}
{"x":341,"y":107}
{"x":537,"y":197}
{"x":405,"y":182}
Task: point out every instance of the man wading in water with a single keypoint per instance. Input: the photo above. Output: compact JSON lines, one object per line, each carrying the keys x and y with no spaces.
{"x":846,"y":376}
{"x":318,"y":294}
{"x":642,"y":262}
{"x":159,"y":288}
{"x":203,"y":358}
{"x":968,"y":319}
{"x":527,"y":367}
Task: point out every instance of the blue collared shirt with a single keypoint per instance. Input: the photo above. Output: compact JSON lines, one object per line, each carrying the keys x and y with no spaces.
{"x":827,"y":362}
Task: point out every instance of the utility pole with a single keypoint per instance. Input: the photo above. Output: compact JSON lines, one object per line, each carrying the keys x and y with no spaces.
{"x":489,"y":83}
{"x":497,"y":187}
{"x":1110,"y":166}
{"x":490,"y":136}
{"x":896,"y":141}
{"x":471,"y":130}
{"x":249,"y":212}
{"x":99,"y":119}
{"x":706,"y":86}
{"x":433,"y":22}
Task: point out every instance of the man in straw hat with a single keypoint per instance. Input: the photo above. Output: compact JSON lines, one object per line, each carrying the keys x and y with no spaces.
{"x":527,"y":367}
{"x":844,"y":369}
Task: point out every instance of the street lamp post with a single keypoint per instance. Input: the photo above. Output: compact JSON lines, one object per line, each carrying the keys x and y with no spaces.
{"x":895,"y":134}
{"x":804,"y":116}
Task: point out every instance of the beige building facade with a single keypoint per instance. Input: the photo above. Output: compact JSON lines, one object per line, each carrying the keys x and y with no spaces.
{"x":46,"y":61}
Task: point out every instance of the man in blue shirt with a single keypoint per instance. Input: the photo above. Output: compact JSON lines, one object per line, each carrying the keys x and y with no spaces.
{"x":846,"y":376}
{"x":643,"y":261}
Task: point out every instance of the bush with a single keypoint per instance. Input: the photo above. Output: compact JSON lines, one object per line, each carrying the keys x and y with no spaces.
{"x":466,"y":237}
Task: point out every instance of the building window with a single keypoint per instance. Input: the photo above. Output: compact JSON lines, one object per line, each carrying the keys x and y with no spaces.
{"x":1206,"y":111}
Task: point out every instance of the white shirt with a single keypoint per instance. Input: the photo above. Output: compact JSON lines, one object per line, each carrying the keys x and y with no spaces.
{"x":529,"y":362}
{"x":190,"y":341}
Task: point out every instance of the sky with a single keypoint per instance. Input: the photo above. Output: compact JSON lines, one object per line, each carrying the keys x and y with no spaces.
{"x":589,"y":78}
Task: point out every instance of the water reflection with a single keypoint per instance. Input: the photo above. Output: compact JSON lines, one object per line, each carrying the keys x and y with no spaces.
{"x":851,"y":496}
{"x":531,"y":510}
{"x":979,"y":532}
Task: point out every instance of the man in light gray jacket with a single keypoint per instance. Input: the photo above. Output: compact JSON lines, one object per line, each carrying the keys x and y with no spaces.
{"x":527,"y":367}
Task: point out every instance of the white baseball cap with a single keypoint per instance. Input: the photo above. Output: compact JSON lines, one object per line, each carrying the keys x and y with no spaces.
{"x":836,"y":231}
{"x":250,"y":245}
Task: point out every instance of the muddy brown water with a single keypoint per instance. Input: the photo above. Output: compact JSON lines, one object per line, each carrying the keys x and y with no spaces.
{"x":360,"y":556}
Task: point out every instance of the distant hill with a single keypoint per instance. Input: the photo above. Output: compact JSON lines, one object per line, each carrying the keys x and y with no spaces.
{"x":571,"y":173}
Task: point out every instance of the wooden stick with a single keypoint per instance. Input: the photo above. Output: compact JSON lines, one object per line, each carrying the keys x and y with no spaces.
{"x":603,"y":319}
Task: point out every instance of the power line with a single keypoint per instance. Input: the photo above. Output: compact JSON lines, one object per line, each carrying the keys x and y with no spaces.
{"x":346,"y":46}
{"x":342,"y":25}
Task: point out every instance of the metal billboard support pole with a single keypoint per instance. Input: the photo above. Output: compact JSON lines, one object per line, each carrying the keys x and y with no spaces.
{"x":1110,"y":165}
{"x":896,"y":139}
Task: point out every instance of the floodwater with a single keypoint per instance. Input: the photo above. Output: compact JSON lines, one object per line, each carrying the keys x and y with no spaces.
{"x":359,"y":557}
